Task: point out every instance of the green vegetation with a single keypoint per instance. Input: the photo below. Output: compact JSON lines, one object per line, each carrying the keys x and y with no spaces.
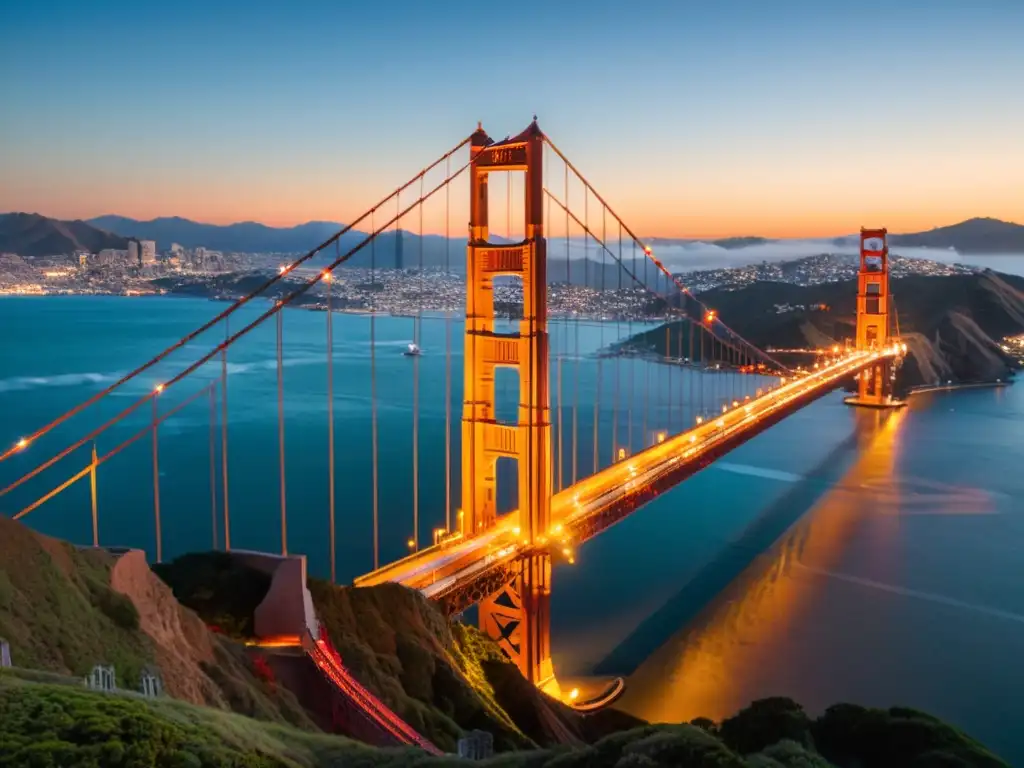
{"x":58,"y":611}
{"x":53,"y":725}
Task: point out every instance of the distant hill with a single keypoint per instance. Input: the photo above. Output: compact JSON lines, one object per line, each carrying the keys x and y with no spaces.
{"x":950,"y":323}
{"x":978,"y":236}
{"x":30,"y":234}
{"x":974,"y":236}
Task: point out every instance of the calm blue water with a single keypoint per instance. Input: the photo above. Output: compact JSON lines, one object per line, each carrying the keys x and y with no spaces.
{"x":67,"y":349}
{"x":843,"y":555}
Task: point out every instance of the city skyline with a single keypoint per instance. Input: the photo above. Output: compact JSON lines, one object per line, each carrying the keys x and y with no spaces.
{"x":797,"y":121}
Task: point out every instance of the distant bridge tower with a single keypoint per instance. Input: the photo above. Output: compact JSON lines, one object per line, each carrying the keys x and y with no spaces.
{"x":518,"y":615}
{"x":874,"y":386}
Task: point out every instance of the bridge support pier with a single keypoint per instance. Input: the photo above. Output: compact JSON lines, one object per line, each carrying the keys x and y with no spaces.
{"x":874,"y":385}
{"x":518,"y":618}
{"x":518,"y":615}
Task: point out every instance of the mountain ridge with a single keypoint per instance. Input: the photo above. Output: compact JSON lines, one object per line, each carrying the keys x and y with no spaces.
{"x":978,"y":235}
{"x":32,"y":234}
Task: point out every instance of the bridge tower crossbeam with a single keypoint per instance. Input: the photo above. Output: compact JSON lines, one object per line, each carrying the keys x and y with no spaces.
{"x":518,"y":615}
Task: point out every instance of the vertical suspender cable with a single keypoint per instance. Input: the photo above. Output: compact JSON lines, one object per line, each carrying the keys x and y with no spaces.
{"x":213,"y":464}
{"x":576,"y":343}
{"x":416,"y":392}
{"x":683,"y":373}
{"x":447,"y":355}
{"x":618,"y":356}
{"x":632,"y":370}
{"x":373,"y":383}
{"x":280,"y":428}
{"x":224,"y":435}
{"x":597,"y":394}
{"x":329,"y":284}
{"x":668,"y":359}
{"x":600,"y":353}
{"x":92,"y":492}
{"x":156,"y":485}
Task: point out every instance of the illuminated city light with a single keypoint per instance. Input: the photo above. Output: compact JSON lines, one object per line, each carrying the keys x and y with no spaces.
{"x":700,"y":419}
{"x":411,"y":544}
{"x":158,"y":388}
{"x":327,"y":275}
{"x":22,"y":444}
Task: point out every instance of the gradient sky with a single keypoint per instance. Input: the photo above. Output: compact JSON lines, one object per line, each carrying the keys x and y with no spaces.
{"x":800,"y":118}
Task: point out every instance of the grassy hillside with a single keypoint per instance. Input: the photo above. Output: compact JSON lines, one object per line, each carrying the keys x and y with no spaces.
{"x":49,"y":724}
{"x":65,"y":609}
{"x":48,"y":586}
{"x":443,"y":678}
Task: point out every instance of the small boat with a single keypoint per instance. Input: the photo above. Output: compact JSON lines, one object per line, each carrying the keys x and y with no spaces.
{"x":412,"y":351}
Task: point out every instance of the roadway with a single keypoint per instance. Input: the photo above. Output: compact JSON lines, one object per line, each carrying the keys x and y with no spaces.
{"x":582,"y":510}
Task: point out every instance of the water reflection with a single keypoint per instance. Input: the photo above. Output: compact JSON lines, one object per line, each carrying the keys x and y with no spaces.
{"x":730,"y":650}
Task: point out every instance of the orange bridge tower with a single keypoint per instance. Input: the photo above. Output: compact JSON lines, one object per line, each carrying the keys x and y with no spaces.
{"x":874,"y":385}
{"x":518,"y":615}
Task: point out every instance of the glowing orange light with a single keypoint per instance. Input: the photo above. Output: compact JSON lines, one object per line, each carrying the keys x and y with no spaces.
{"x":327,"y":275}
{"x":574,"y":694}
{"x":21,"y":444}
{"x":282,"y":269}
{"x":158,"y":388}
{"x":710,"y":316}
{"x":411,"y":544}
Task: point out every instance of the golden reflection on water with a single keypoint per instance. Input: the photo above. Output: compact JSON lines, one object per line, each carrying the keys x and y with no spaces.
{"x":712,"y":668}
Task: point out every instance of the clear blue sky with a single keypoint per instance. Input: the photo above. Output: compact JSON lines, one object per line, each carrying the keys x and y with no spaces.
{"x":717,"y":118}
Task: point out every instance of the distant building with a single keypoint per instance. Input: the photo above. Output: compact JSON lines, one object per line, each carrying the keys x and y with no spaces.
{"x":110,"y":256}
{"x":83,"y":259}
{"x":133,"y":252}
{"x":147,"y":252}
{"x":476,"y":745}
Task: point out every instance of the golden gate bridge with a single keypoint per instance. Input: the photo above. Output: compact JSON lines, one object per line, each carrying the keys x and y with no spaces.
{"x":497,"y":560}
